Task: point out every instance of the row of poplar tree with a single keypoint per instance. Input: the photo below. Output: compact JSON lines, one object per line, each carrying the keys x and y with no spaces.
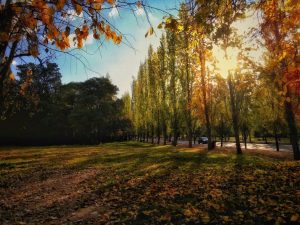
{"x":179,"y":91}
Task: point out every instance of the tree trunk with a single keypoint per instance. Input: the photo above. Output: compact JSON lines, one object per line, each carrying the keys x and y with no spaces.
{"x":190,"y":142}
{"x":190,"y":134}
{"x":235,"y":116}
{"x":204,"y":96}
{"x":276,"y":142}
{"x":237,"y":136}
{"x":152,"y":134}
{"x":4,"y":72}
{"x":290,"y":118}
{"x":222,"y":141}
{"x":158,"y":129}
{"x":164,"y":128}
{"x":175,"y":133}
{"x":245,"y":140}
{"x":266,"y":139}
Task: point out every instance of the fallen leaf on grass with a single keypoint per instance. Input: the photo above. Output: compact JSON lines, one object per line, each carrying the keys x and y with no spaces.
{"x":295,"y":217}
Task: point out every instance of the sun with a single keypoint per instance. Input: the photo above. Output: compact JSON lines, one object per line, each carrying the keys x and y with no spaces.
{"x":226,"y":64}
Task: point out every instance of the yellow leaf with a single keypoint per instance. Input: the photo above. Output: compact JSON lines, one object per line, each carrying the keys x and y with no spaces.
{"x":188,"y":213}
{"x":191,"y":212}
{"x":226,"y":218}
{"x":166,"y":217}
{"x":149,"y":32}
{"x":111,"y":2}
{"x":97,"y":6}
{"x":295,"y":217}
{"x":12,"y":77}
{"x":180,"y":27}
{"x":60,"y":4}
{"x":96,"y":36}
{"x":29,"y":72}
{"x":205,"y":218}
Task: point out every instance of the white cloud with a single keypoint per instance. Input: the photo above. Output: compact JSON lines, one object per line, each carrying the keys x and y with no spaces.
{"x":114,"y":12}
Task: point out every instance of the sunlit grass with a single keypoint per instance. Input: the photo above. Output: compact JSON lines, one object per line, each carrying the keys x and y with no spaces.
{"x":143,"y":183}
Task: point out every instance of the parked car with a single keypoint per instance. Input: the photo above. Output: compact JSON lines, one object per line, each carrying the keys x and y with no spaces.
{"x":203,"y":140}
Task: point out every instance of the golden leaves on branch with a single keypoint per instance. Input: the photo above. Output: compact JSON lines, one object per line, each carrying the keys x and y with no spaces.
{"x":29,"y":20}
{"x":12,"y":77}
{"x":63,"y":42}
{"x":111,"y":2}
{"x":31,"y":13}
{"x":60,"y":4}
{"x":171,"y":24}
{"x":33,"y":50}
{"x":77,"y":7}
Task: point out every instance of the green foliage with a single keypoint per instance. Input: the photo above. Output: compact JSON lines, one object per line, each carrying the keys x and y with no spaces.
{"x":40,"y":110}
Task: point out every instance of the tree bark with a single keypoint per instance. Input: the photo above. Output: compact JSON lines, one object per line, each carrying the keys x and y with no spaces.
{"x":276,"y":137}
{"x":204,"y":96}
{"x":290,"y":118}
{"x":245,"y":140}
{"x":235,"y":117}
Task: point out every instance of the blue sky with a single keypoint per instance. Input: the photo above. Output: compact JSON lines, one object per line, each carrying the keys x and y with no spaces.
{"x":121,"y":62}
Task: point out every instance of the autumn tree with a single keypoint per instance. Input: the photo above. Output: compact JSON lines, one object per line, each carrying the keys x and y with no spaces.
{"x":173,"y":87}
{"x":139,"y":103}
{"x":152,"y":94}
{"x":267,"y":107}
{"x":39,"y":28}
{"x":220,"y":109}
{"x":162,"y":83}
{"x":279,"y":30}
{"x":184,"y":64}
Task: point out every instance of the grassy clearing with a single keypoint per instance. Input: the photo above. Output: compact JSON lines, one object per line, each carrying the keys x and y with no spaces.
{"x":136,"y":183}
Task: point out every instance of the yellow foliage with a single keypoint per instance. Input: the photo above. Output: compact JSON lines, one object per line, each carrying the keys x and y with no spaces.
{"x":31,"y":12}
{"x":295,"y":217}
{"x":12,"y":77}
{"x":111,"y":2}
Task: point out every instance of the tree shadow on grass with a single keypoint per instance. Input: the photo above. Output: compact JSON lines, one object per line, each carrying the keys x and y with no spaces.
{"x":164,"y":158}
{"x":139,"y":185}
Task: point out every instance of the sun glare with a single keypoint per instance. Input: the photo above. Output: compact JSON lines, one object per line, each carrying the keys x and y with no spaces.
{"x":226,"y":64}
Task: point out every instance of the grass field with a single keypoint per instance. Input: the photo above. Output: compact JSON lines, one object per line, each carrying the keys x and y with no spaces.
{"x":135,"y":183}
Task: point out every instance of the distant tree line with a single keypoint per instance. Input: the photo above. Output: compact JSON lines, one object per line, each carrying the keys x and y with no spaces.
{"x":39,"y":110}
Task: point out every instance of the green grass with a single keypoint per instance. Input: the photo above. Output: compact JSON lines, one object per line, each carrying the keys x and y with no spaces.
{"x":138,"y":183}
